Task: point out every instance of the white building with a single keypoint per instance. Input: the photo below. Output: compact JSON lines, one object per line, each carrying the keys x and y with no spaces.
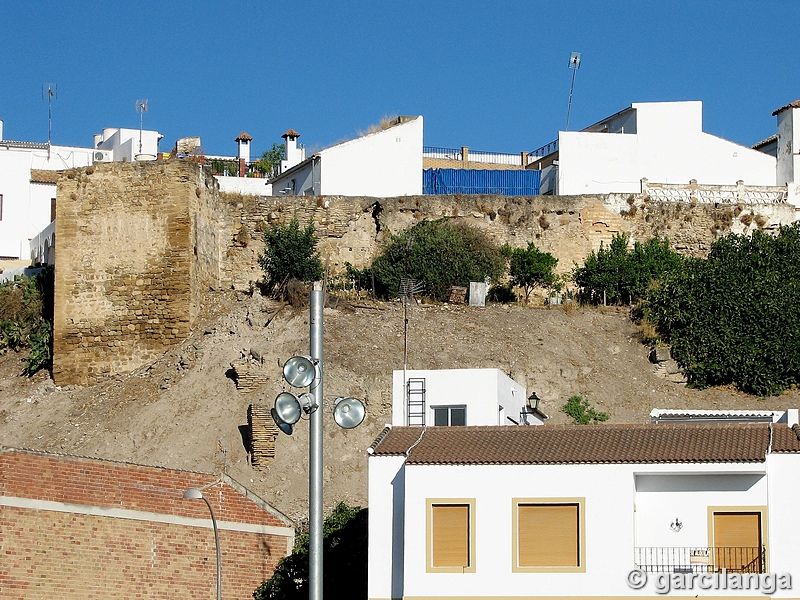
{"x":662,"y":142}
{"x":381,"y":164}
{"x":788,"y":149}
{"x":126,"y":145}
{"x":558,"y":511}
{"x":28,"y":182}
{"x":460,"y":397}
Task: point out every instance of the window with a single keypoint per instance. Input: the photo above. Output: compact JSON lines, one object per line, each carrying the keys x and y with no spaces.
{"x":738,"y":537}
{"x":449,"y":415}
{"x":549,"y":535}
{"x":450,"y":529}
{"x":52,"y":209}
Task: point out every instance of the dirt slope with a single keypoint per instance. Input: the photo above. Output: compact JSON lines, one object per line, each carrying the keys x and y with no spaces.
{"x":185,"y":412}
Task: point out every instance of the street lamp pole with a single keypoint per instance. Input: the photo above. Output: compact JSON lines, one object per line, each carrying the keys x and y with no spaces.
{"x":315,"y":455}
{"x":194,"y":493}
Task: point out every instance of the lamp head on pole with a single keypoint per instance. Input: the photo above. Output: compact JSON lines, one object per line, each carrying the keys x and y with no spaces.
{"x":193,"y":494}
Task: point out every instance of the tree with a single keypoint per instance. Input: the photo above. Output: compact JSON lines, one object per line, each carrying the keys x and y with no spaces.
{"x":735,"y":316}
{"x":530,"y":268}
{"x":289,"y":253}
{"x":440,"y":253}
{"x":26,"y":319}
{"x":617,"y":274}
{"x":344,"y":555}
{"x":270,"y":161}
{"x":583,"y":413}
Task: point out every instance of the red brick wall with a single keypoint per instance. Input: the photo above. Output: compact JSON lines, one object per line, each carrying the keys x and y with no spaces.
{"x":67,"y":553}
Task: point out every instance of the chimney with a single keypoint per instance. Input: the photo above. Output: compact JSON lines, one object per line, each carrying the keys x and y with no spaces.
{"x":294,"y":155}
{"x":244,"y":140}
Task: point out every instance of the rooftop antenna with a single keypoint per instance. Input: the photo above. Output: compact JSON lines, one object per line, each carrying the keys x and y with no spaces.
{"x":574,"y":64}
{"x":141,"y":108}
{"x":50,"y":90}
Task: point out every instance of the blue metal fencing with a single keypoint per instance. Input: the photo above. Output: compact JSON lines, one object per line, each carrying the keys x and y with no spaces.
{"x":503,"y":182}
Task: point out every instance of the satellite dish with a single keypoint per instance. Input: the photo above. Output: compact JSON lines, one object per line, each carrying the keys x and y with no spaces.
{"x":348,"y":412}
{"x":300,"y":371}
{"x":287,"y":407}
{"x":282,"y":425}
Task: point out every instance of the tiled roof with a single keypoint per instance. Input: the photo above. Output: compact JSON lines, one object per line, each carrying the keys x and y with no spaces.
{"x":795,"y":104}
{"x":785,"y":439}
{"x":572,"y":444}
{"x":44,"y":176}
{"x":243,"y":137}
{"x":291,"y":133}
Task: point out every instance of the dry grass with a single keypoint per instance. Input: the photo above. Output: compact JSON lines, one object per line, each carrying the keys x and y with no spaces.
{"x":385,"y":122}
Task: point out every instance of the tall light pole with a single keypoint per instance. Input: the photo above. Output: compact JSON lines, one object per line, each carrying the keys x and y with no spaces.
{"x":308,"y":371}
{"x":315,"y":520}
{"x":196,"y":494}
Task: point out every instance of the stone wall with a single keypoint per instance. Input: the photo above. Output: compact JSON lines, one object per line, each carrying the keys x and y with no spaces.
{"x":353,"y":229}
{"x":138,"y":243}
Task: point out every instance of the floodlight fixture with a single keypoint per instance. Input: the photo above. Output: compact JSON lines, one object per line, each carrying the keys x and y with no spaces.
{"x":289,"y":408}
{"x":348,"y":412}
{"x":300,"y":371}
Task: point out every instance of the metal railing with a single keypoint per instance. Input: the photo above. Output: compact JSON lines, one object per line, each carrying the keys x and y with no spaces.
{"x":700,"y":559}
{"x":478,"y":156}
{"x":545,"y":150}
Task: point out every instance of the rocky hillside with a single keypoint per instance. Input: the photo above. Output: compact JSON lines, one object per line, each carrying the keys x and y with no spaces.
{"x":185,"y":411}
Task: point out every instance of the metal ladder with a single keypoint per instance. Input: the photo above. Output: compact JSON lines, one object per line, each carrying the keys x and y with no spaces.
{"x":415,"y":401}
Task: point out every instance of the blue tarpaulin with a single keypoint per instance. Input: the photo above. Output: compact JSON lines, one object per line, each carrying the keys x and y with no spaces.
{"x":504,"y":182}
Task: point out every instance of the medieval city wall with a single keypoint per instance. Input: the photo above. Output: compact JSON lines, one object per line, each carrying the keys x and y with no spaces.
{"x":138,"y":244}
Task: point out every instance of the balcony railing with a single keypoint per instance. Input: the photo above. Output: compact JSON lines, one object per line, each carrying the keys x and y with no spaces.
{"x":698,"y":559}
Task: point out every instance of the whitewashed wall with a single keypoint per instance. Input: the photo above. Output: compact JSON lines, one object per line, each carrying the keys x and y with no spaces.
{"x":244,"y":185}
{"x":789,"y":152}
{"x":618,"y":517}
{"x":669,"y":146}
{"x":383,"y":164}
{"x":26,"y":205}
{"x":386,"y":525}
{"x":483,"y":391}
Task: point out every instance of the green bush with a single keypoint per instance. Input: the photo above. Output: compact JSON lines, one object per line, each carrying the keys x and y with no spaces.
{"x":25,"y":319}
{"x":583,"y":413}
{"x":619,"y":275}
{"x":344,"y":555}
{"x":441,"y":254}
{"x":289,"y":253}
{"x":531,"y":268}
{"x":735,"y":317}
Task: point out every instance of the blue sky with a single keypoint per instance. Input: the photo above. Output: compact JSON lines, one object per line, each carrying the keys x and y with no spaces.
{"x":493,"y":75}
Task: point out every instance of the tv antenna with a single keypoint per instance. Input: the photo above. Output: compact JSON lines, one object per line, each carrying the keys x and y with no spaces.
{"x":141,"y":108}
{"x":574,"y":64}
{"x":50,"y":91}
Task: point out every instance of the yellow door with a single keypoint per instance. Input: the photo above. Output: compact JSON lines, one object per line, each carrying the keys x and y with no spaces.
{"x":737,"y":541}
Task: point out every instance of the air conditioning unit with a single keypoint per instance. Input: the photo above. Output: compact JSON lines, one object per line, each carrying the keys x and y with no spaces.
{"x":102,"y":156}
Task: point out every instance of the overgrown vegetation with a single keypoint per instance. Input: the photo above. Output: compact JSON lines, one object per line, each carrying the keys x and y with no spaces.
{"x":270,"y":162}
{"x":26,"y":320}
{"x":531,"y":268}
{"x":735,"y":317}
{"x":582,"y":412}
{"x":344,"y":556}
{"x":620,"y":275}
{"x":440,"y":253}
{"x":289,"y":253}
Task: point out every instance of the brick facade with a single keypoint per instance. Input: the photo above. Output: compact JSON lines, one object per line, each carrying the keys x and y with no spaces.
{"x":83,"y":528}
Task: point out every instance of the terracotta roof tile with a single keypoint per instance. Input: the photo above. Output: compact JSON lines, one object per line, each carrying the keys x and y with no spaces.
{"x":243,"y":137}
{"x":795,"y":104}
{"x":44,"y":176}
{"x":290,"y":133}
{"x":570,"y":444}
{"x":785,"y":439}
